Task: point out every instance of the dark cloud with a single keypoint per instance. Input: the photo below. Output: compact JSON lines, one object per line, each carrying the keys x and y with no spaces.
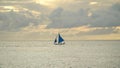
{"x":68,"y":19}
{"x":14,"y":21}
{"x":60,"y":18}
{"x":109,"y":17}
{"x":116,"y":7}
{"x":56,"y":13}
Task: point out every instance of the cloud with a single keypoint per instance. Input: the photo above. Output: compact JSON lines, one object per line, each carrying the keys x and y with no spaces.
{"x":35,"y":7}
{"x":14,"y":2}
{"x":108,"y":17}
{"x":14,"y":21}
{"x":99,"y":31}
{"x":72,"y":17}
{"x":116,"y":7}
{"x":28,"y":12}
{"x":68,"y":19}
{"x":62,"y":18}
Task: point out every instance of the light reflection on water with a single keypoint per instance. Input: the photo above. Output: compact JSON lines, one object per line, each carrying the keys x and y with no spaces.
{"x":50,"y":43}
{"x":74,"y":54}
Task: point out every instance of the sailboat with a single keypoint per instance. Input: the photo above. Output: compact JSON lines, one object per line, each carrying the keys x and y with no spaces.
{"x":59,"y":40}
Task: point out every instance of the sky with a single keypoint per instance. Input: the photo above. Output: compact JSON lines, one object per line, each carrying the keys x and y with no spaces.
{"x":74,"y":19}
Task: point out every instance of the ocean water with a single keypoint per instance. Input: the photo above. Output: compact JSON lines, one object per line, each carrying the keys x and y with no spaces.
{"x":74,"y":54}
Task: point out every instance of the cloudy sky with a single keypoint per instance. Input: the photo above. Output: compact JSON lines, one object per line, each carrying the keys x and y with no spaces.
{"x":74,"y":19}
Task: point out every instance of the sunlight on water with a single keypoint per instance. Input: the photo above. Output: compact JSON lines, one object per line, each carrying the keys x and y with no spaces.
{"x":74,"y":54}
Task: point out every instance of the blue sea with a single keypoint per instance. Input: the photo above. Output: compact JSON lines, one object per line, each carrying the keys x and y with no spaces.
{"x":74,"y":54}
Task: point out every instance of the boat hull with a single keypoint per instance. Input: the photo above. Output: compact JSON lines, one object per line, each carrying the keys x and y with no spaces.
{"x":60,"y":43}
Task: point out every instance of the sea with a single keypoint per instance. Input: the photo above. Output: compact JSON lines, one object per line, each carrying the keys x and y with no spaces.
{"x":74,"y":54}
